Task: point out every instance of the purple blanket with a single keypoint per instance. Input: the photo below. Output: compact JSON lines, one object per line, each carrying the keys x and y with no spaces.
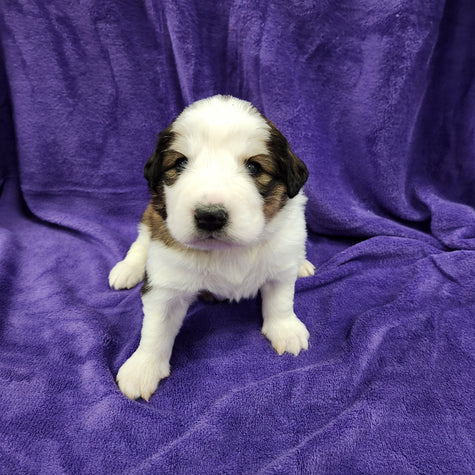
{"x":378,"y":98}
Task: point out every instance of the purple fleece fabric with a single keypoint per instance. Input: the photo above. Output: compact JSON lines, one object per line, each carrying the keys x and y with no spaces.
{"x":378,"y":99}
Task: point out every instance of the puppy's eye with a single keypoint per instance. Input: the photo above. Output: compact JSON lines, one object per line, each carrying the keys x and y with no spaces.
{"x":253,"y":168}
{"x":181,"y":163}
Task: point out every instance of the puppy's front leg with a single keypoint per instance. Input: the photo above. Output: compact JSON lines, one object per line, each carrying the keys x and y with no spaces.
{"x":164,"y":311}
{"x":131,"y":270}
{"x":281,"y":326}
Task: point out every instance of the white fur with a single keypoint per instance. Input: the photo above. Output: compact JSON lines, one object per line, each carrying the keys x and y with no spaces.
{"x":217,"y":135}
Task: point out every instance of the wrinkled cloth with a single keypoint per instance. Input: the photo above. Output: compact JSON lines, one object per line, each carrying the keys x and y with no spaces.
{"x":378,"y":99}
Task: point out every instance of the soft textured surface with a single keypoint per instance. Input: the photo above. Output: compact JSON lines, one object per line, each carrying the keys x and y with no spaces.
{"x":378,"y":99}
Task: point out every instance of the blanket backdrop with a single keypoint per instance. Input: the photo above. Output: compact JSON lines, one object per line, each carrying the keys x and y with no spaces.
{"x":378,"y":99}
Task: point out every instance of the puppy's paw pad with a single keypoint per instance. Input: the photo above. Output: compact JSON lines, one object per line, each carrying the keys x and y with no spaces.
{"x":289,"y":335}
{"x":306,"y":269}
{"x":125,"y":275}
{"x":140,"y":374}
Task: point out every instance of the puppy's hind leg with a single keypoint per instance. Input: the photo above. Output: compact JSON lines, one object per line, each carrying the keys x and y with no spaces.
{"x":130,"y":271}
{"x":306,"y":269}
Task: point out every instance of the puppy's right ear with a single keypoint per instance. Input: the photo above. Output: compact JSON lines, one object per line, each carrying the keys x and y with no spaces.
{"x":154,"y":167}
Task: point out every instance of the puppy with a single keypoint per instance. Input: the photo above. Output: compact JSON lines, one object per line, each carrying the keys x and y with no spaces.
{"x":226,"y":217}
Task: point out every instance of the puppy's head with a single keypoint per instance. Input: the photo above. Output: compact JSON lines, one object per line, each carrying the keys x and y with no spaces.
{"x":220,"y":172}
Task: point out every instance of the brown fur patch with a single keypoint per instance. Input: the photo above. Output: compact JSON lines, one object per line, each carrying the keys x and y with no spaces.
{"x":146,"y":287}
{"x":270,"y":185}
{"x":267,"y":164}
{"x":170,"y":172}
{"x":169,"y":175}
{"x":291,"y":169}
{"x":158,"y":203}
{"x":158,"y":228}
{"x":275,"y":200}
{"x":154,"y":167}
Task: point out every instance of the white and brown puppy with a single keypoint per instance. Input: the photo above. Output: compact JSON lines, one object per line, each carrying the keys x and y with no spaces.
{"x":227,"y":217}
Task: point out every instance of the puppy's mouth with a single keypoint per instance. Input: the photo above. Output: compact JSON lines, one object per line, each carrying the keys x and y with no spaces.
{"x":211,"y":241}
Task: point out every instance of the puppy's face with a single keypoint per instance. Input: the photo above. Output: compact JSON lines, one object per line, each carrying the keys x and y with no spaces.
{"x":220,"y":172}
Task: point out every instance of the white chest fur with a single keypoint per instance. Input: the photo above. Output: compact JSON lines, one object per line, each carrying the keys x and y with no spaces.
{"x":233,"y":275}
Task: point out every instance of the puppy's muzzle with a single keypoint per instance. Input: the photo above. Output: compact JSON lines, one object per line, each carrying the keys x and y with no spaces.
{"x":211,"y":217}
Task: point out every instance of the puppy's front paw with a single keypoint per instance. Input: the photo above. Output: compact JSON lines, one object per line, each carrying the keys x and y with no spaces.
{"x":125,"y":275}
{"x":140,"y":374}
{"x":306,"y":269}
{"x":288,"y":334}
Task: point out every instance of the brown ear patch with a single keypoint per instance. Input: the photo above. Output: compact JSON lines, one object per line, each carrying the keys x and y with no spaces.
{"x":291,"y":169}
{"x":158,"y":228}
{"x":153,"y":170}
{"x":161,"y":169}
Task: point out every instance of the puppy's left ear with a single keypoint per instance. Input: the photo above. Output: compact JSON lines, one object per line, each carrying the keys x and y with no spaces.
{"x":154,"y":167}
{"x":293,"y":171}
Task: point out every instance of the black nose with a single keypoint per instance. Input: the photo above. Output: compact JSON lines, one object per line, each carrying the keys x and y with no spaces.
{"x":211,"y":217}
